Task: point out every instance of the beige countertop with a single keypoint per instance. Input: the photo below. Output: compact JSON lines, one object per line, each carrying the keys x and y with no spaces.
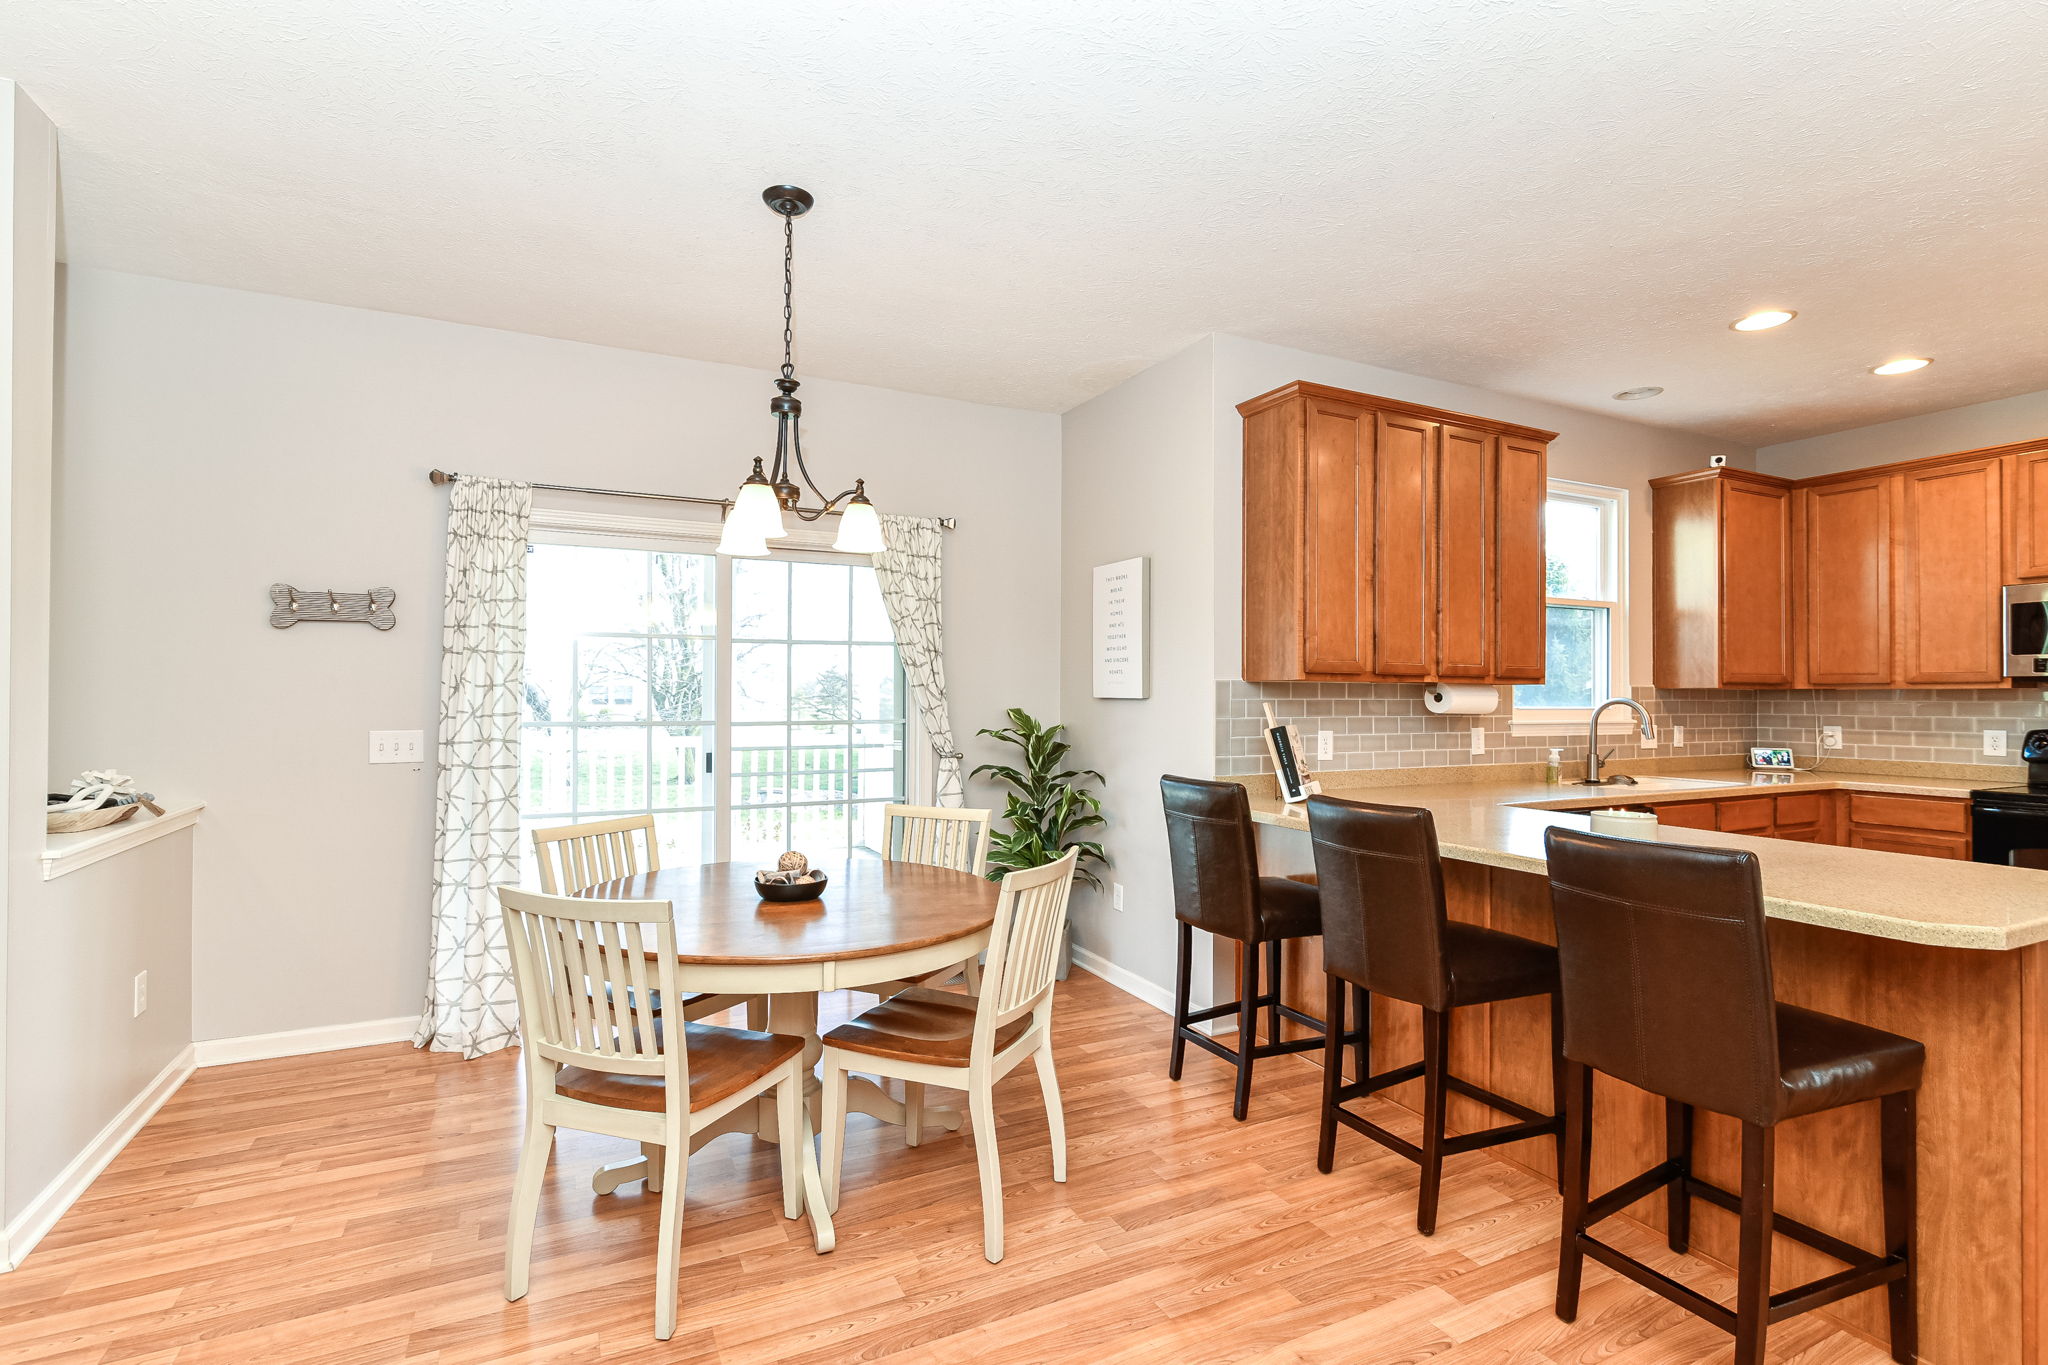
{"x":1886,"y":895}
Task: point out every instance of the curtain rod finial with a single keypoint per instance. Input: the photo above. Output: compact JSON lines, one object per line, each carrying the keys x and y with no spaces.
{"x":438,"y":476}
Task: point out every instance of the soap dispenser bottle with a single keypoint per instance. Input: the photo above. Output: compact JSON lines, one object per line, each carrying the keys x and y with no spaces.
{"x":1553,"y":768}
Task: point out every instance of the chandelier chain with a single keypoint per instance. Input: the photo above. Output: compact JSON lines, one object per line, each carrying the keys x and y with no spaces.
{"x":788,"y":313}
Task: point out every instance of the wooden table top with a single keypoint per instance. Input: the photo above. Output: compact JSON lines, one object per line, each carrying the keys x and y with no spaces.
{"x":870,"y":907}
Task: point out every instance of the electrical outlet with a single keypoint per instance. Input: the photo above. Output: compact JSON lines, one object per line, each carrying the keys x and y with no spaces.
{"x":1830,"y":736}
{"x":1994,"y":743}
{"x":1116,"y":895}
{"x":395,"y":746}
{"x":141,"y":994}
{"x":1326,"y":745}
{"x":1479,"y":739}
{"x":1678,"y":736}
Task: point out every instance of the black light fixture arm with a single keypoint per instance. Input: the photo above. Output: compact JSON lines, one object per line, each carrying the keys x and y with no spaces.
{"x":792,"y":203}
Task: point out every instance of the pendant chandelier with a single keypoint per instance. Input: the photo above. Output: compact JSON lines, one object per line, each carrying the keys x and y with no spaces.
{"x":756,"y":514}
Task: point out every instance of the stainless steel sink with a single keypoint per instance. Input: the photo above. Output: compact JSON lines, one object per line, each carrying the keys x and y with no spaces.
{"x":1648,"y":783}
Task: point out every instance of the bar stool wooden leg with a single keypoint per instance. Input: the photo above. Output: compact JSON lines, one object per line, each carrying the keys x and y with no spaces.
{"x":1273,"y":986}
{"x":1247,"y":1030}
{"x":1436,"y":1046}
{"x":1180,"y":1000}
{"x":1898,"y":1148}
{"x":1557,"y":1075}
{"x":1578,"y":1174}
{"x":1361,"y":1010}
{"x":1753,"y":1244}
{"x":1678,"y":1148}
{"x":1333,"y":1070}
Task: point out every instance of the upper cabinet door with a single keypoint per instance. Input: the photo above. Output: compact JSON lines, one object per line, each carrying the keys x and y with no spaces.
{"x":1846,"y":607}
{"x":1521,"y":483}
{"x":1404,"y":570}
{"x":1756,"y":584}
{"x":2030,"y":515}
{"x":1950,"y":570}
{"x":1464,"y":553}
{"x":1337,"y":547}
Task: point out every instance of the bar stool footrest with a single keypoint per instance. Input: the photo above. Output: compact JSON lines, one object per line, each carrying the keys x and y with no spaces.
{"x":1532,"y":1123}
{"x":1863,"y":1270}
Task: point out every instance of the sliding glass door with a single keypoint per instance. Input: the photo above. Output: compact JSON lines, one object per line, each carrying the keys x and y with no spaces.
{"x":750,"y":706}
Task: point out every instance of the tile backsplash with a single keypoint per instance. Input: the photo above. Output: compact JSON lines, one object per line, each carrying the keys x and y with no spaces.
{"x":1385,"y":725}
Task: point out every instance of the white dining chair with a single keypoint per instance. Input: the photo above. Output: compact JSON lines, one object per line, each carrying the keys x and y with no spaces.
{"x":937,"y":836}
{"x":598,"y":1059}
{"x":932,"y":1037}
{"x":573,"y":858}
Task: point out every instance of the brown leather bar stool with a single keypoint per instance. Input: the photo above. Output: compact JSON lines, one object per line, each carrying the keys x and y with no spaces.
{"x":1217,"y":887}
{"x":1667,"y":985}
{"x":1385,"y":929}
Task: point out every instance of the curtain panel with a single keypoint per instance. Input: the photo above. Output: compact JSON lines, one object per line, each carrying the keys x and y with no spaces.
{"x":908,"y":573}
{"x":470,"y":1004}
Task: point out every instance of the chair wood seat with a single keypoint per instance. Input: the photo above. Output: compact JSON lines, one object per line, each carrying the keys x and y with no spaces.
{"x":722,"y":1061}
{"x":920,"y":1025}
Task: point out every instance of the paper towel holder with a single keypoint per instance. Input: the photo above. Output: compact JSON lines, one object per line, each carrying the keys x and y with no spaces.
{"x":1460,"y":699}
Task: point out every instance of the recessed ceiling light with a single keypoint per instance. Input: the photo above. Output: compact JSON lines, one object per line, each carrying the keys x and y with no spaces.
{"x":1647,"y":391}
{"x":1768,"y":318}
{"x":1906,"y":365}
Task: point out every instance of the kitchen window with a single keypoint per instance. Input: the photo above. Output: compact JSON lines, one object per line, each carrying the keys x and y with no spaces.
{"x":749,"y":705}
{"x":1586,"y":651}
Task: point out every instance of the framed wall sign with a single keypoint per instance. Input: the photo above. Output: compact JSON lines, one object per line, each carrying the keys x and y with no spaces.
{"x":1120,"y":609}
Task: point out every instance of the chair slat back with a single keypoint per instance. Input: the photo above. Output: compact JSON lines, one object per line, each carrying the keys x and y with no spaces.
{"x":586,"y":973}
{"x":574,"y":857}
{"x":937,"y":836}
{"x":1024,"y":943}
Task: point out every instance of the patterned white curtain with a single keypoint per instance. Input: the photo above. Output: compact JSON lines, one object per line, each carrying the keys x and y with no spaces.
{"x":908,"y":573}
{"x":470,"y":1006}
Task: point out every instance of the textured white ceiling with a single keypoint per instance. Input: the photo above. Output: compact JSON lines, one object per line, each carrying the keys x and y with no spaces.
{"x":1025,"y":203}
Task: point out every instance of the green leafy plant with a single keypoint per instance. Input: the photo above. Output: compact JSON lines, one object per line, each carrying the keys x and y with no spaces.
{"x":1047,"y":804}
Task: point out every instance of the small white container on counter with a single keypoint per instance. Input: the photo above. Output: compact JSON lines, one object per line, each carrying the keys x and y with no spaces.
{"x":1626,"y":824}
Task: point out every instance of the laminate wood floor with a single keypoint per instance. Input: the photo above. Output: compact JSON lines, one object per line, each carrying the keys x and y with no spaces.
{"x":349,"y":1208}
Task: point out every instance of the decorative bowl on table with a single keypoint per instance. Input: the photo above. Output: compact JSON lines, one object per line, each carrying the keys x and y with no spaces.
{"x":772,"y":888}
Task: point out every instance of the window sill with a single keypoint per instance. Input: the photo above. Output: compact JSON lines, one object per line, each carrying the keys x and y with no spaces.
{"x":64,"y":854}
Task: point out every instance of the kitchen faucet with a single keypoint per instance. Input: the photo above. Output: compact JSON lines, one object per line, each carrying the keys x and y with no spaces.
{"x":1594,"y":758}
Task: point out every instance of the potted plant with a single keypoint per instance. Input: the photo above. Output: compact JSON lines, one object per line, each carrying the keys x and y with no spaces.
{"x":1046,"y":806}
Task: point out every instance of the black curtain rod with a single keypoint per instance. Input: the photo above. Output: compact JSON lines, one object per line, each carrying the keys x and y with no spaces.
{"x":439,"y":476}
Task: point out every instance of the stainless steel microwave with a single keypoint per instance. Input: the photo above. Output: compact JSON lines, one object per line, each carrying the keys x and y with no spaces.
{"x":2026,"y":630}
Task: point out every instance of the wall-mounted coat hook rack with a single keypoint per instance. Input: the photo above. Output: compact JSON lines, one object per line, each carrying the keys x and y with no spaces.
{"x":290,"y":605}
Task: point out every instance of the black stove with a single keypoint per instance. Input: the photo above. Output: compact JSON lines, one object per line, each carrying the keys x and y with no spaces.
{"x":2009,"y":825}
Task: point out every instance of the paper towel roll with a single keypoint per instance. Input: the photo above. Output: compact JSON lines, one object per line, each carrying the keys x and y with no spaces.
{"x":1461,"y":699}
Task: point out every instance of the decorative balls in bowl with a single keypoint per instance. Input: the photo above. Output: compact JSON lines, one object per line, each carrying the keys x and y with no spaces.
{"x":793,"y":880}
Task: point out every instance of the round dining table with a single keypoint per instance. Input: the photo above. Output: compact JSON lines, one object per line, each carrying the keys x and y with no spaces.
{"x":877,"y":921}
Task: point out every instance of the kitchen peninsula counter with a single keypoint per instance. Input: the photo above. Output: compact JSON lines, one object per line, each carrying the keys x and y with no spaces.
{"x":1954,"y":954}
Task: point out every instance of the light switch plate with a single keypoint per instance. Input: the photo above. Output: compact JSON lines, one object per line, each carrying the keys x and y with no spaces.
{"x":396,"y":746}
{"x":1678,"y":736}
{"x":1994,"y":743}
{"x":1326,"y":745}
{"x":1830,"y":736}
{"x":141,"y":994}
{"x":1116,"y":895}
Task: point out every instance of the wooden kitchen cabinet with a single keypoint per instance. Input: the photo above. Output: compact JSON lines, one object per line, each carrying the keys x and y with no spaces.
{"x":2030,"y":514}
{"x":1927,"y":826}
{"x":1388,"y":542}
{"x":1950,"y":567}
{"x":1721,"y":586}
{"x":1845,"y":601}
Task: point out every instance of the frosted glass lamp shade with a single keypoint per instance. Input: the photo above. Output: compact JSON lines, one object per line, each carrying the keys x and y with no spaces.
{"x":756,"y":512}
{"x":737,"y":542}
{"x":860,"y":530}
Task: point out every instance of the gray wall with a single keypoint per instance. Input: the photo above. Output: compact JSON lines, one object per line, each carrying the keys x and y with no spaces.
{"x":76,"y":1055}
{"x":217,"y":441}
{"x":2021,"y":418}
{"x":1137,"y":481}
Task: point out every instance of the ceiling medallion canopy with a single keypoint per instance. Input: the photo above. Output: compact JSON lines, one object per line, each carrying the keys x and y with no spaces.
{"x":756,"y":514}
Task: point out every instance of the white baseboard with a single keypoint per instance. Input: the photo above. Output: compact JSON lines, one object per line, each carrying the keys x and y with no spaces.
{"x":46,"y":1208}
{"x":298,"y":1042}
{"x":1129,"y":982}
